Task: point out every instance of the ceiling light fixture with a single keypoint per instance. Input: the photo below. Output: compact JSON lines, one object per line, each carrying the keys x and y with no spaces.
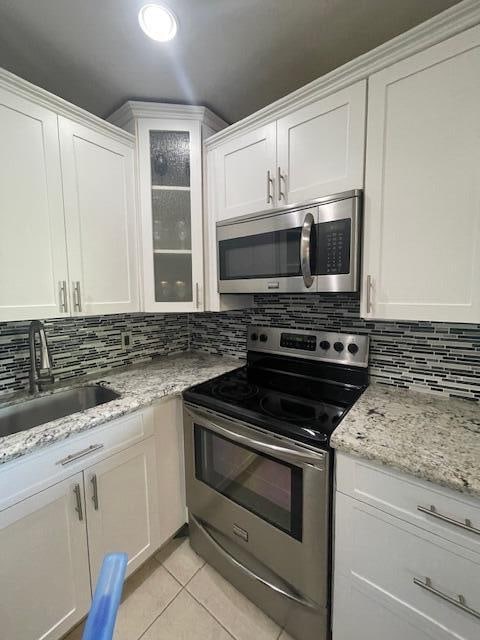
{"x":158,"y":22}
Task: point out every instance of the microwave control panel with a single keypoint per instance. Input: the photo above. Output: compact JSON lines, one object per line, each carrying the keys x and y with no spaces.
{"x":333,"y":247}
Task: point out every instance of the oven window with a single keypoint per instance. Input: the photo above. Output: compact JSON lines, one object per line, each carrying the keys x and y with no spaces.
{"x":270,"y":488}
{"x":265,"y":255}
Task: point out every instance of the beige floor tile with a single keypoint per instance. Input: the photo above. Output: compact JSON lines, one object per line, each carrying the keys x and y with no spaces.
{"x":285,"y":636}
{"x":169,"y":548}
{"x":146,"y":594}
{"x":235,"y":612}
{"x":75,"y":634}
{"x":185,"y":619}
{"x":183,"y":562}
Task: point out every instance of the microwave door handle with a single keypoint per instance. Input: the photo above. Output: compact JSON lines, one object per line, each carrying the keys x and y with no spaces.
{"x":305,"y":261}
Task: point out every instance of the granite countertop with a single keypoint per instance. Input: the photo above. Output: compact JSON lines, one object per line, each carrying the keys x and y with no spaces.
{"x":138,"y":387}
{"x":436,"y":439}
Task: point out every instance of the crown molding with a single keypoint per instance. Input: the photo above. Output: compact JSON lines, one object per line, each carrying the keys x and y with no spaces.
{"x":458,"y":18}
{"x":28,"y":91}
{"x":134,"y":109}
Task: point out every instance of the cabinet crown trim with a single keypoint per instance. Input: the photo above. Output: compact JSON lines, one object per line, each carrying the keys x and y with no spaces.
{"x":450,"y":22}
{"x":137,"y":109}
{"x":28,"y":91}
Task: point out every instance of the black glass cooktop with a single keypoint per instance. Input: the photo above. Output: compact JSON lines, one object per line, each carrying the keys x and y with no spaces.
{"x":302,"y":400}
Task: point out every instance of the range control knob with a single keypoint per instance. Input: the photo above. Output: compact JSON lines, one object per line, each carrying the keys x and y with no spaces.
{"x":353,"y":348}
{"x":253,"y":336}
{"x":325,"y":345}
{"x":263,"y":337}
{"x":338,"y":346}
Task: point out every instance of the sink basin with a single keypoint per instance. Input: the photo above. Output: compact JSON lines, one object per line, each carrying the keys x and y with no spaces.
{"x":31,"y":413}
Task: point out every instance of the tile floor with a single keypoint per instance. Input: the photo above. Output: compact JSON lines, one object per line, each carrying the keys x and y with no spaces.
{"x":176,"y":596}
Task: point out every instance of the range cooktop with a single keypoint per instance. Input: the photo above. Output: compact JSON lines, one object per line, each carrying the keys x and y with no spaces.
{"x":296,"y":383}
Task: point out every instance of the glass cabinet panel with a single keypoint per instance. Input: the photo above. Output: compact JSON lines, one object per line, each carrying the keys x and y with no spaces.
{"x":171,"y":215}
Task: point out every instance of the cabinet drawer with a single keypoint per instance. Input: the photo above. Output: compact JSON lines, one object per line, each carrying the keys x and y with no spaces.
{"x":361,"y":610}
{"x":455,"y":517}
{"x":396,"y":558}
{"x":34,"y":472}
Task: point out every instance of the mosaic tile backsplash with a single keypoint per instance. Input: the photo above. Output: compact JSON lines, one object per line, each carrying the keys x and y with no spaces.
{"x":427,"y":356}
{"x":80,"y":346}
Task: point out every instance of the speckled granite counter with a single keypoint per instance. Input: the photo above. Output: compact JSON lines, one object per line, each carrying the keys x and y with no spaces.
{"x":138,"y":387}
{"x":433,"y":438}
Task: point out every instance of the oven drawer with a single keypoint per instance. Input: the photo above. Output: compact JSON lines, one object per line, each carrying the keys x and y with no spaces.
{"x":420,"y":570}
{"x":455,"y":516}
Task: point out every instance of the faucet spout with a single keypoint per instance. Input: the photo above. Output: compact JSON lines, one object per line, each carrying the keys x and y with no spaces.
{"x":40,"y":373}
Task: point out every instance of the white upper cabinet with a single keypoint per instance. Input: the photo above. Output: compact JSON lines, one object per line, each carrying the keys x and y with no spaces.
{"x":422,"y":213}
{"x":170,"y":168}
{"x":245,"y":173}
{"x":315,"y":151}
{"x":98,"y":182}
{"x":320,"y":148}
{"x":33,"y":257}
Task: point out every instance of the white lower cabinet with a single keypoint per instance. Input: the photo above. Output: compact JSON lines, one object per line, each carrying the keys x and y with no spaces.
{"x":121,"y":506}
{"x":396,"y":579}
{"x":44,"y":573}
{"x":53,"y":539}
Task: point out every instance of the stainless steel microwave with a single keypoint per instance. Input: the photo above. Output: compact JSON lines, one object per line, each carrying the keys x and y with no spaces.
{"x":313,"y":247}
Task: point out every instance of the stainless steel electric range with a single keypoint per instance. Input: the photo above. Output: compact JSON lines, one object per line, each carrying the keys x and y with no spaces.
{"x":259,"y":469}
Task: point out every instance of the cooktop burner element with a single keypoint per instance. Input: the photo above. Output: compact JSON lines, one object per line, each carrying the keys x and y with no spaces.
{"x":293,"y":383}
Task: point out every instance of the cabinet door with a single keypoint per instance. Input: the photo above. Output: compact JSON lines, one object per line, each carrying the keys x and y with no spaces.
{"x":172,"y":512}
{"x":44,"y":576}
{"x":170,"y":164}
{"x":422,"y":217}
{"x":98,"y":179}
{"x":321,"y":147}
{"x":33,"y":258}
{"x":122,"y":506}
{"x":245,"y":173}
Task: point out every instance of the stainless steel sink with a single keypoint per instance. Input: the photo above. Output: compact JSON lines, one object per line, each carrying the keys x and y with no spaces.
{"x":31,"y":413}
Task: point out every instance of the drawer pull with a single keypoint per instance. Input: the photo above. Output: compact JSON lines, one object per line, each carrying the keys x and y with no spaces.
{"x":80,"y":454}
{"x":458,"y":602}
{"x":431,"y":511}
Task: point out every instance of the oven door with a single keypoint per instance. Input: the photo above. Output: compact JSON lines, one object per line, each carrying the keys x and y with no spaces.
{"x":268,"y":253}
{"x":261,"y":502}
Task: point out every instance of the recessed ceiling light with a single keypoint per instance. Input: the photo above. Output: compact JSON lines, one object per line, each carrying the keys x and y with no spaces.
{"x":158,"y":22}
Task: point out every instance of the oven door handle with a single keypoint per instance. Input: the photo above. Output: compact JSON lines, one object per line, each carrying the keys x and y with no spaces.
{"x":283,"y":588}
{"x":291,"y":455}
{"x":305,"y":259}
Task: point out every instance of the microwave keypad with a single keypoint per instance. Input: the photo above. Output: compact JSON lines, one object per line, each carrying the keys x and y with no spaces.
{"x":333,"y":247}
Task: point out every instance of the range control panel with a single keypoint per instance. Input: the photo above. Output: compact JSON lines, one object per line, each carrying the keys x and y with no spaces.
{"x":341,"y":348}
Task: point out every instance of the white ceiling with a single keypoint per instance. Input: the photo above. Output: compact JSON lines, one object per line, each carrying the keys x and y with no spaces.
{"x":234,"y":56}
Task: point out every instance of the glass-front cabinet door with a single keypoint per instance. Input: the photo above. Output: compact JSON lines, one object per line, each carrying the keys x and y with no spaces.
{"x":171,"y":205}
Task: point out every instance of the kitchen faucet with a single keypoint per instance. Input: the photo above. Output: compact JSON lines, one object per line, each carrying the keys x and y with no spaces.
{"x":41,"y":373}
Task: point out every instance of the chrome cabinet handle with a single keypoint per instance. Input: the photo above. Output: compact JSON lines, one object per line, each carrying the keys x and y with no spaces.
{"x":283,"y":587}
{"x":369,"y":293}
{"x":77,"y":296}
{"x":294,"y":456}
{"x":432,"y":511}
{"x":93,"y":480}
{"x":459,"y":602}
{"x":197,"y":295}
{"x":80,"y":454}
{"x":280,"y":177}
{"x":305,"y":250}
{"x":62,"y":296}
{"x":78,"y":501}
{"x":269,"y":185}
